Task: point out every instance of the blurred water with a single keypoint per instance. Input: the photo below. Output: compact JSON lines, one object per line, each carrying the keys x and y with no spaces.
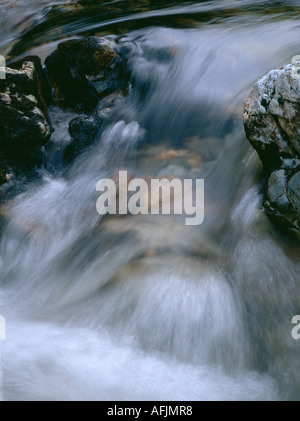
{"x":144,"y":307}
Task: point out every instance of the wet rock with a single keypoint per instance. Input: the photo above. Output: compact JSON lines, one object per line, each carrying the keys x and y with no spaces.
{"x":24,"y":121}
{"x":83,"y":71}
{"x":83,"y":131}
{"x":272,"y":125}
{"x":208,"y":147}
{"x":272,"y":116}
{"x":171,"y":154}
{"x":282,"y":201}
{"x":6,"y":173}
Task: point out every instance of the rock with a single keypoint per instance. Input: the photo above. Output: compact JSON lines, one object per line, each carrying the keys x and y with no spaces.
{"x":85,"y":70}
{"x":271,"y":116}
{"x":83,"y":130}
{"x":40,"y":87}
{"x":6,"y":173}
{"x":207,"y":147}
{"x":282,"y":201}
{"x":272,"y":125}
{"x":171,"y":154}
{"x":24,"y":121}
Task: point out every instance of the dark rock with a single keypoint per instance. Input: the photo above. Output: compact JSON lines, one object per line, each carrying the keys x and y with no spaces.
{"x":85,"y":70}
{"x":24,"y":121}
{"x":40,"y":87}
{"x":6,"y":172}
{"x":272,"y":125}
{"x":83,"y":131}
{"x":282,"y":201}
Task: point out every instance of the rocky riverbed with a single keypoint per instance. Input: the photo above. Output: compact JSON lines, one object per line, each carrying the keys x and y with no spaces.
{"x":91,"y":75}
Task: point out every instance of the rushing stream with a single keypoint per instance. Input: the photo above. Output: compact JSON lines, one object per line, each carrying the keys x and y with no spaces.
{"x":144,"y":307}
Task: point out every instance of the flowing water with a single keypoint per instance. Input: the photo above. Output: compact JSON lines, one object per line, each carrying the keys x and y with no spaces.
{"x":144,"y":307}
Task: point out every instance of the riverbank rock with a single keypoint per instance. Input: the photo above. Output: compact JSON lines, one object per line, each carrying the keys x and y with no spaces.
{"x":83,"y":71}
{"x":282,"y":200}
{"x":272,"y":125}
{"x":24,"y":122}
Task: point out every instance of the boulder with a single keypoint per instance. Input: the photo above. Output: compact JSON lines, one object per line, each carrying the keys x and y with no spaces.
{"x":83,"y":71}
{"x":84,"y":129}
{"x":272,"y":125}
{"x":24,"y":122}
{"x":272,"y":116}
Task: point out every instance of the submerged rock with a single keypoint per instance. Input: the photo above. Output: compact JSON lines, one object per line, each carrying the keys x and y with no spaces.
{"x":91,"y":74}
{"x":272,"y":125}
{"x":24,"y":122}
{"x":84,"y":129}
{"x":85,"y":70}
